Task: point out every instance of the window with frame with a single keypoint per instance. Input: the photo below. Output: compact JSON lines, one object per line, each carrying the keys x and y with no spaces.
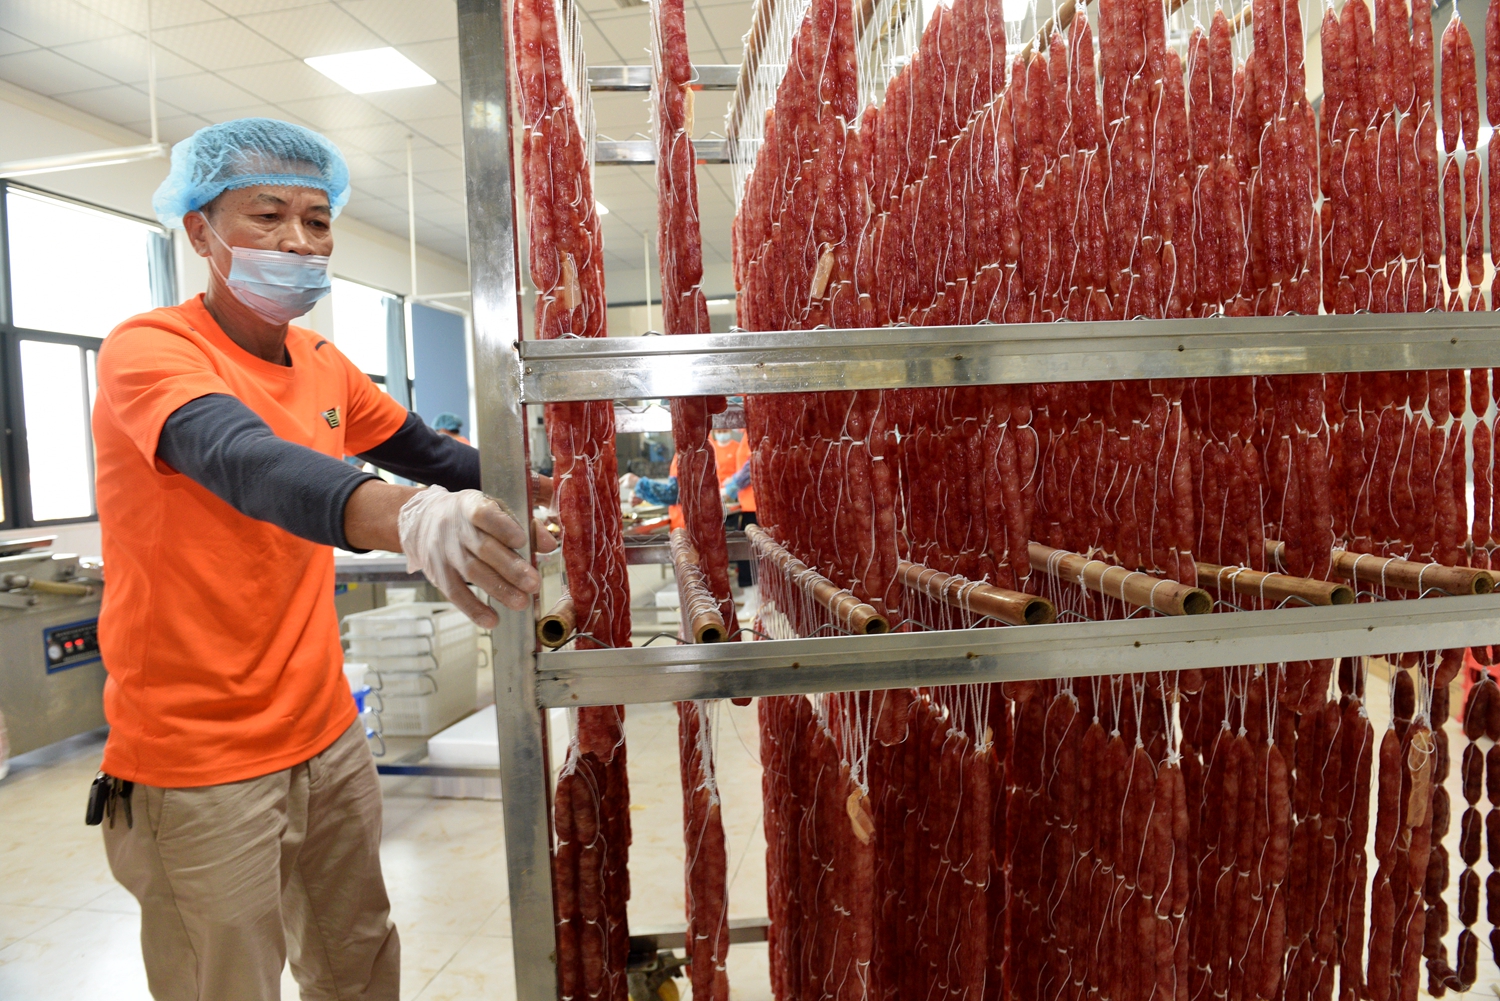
{"x":71,"y":272}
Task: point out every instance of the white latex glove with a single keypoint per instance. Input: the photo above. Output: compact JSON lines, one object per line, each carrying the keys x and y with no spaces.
{"x":461,"y":537}
{"x":627,"y":484}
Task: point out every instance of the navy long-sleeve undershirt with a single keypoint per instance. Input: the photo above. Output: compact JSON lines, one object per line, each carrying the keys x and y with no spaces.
{"x":222,"y":445}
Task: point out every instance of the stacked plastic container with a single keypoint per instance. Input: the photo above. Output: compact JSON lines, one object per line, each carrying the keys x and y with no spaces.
{"x":423,"y":660}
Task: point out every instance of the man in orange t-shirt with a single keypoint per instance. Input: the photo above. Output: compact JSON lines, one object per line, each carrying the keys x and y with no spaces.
{"x":244,"y":809}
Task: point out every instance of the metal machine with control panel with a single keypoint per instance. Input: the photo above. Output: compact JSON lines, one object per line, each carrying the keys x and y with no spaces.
{"x":51,"y":674}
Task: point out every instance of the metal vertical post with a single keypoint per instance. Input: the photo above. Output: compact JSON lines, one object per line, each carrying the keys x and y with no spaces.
{"x":525,"y":774}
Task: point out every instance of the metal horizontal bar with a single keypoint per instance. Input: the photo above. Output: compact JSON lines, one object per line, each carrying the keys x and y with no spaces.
{"x":992,"y":354}
{"x":617,"y":151}
{"x":651,"y":552}
{"x":1013,"y":653}
{"x":741,"y":930}
{"x":439,"y":771}
{"x":706,"y":76}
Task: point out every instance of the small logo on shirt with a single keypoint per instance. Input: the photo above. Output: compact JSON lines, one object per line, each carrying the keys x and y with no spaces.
{"x":331,"y":415}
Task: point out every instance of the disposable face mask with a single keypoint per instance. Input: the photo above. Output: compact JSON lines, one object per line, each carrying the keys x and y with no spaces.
{"x":274,"y":285}
{"x":723,"y":437}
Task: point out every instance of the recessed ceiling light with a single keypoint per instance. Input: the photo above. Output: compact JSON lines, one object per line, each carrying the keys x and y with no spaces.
{"x":371,"y":70}
{"x":600,"y":209}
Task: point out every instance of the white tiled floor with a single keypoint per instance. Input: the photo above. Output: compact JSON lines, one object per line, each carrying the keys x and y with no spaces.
{"x":68,"y":931}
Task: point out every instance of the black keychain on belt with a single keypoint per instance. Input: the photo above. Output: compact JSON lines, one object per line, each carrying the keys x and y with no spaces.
{"x":103,"y":795}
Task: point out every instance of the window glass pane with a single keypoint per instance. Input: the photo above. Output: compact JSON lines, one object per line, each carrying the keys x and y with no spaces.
{"x":57,"y":444}
{"x":75,"y":270}
{"x":359,"y":324}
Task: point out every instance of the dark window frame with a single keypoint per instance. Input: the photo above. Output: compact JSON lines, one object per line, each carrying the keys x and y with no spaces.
{"x":15,"y":460}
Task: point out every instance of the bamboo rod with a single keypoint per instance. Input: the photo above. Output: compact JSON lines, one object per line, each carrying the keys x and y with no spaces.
{"x":1015,"y":608}
{"x":1134,"y":587}
{"x":855,"y":615}
{"x":1392,"y":571}
{"x":1059,"y":22}
{"x":700,"y":612}
{"x":1273,"y":586}
{"x":1063,"y":19}
{"x":61,"y":587}
{"x":556,"y":627}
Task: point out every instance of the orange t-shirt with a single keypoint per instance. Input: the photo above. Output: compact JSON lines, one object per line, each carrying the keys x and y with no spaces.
{"x":218,"y":630}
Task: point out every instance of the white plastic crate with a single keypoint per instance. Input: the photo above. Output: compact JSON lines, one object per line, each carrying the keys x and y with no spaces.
{"x":474,"y":742}
{"x":412,"y":618}
{"x":402,"y":684}
{"x":394,"y":646}
{"x":423,"y":659}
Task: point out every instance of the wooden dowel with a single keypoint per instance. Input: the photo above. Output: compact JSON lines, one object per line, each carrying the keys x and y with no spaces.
{"x":853,"y":614}
{"x":1063,"y":19}
{"x":1393,"y":571}
{"x":1017,"y":608}
{"x":1274,"y":586}
{"x":699,"y":610}
{"x":1240,"y":21}
{"x":1134,"y":587}
{"x":1059,"y":22}
{"x":556,"y":627}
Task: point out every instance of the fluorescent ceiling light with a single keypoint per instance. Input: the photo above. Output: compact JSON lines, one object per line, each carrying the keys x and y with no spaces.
{"x":720,"y":302}
{"x":371,"y":70}
{"x":600,"y":209}
{"x":76,"y":161}
{"x":1015,"y":10}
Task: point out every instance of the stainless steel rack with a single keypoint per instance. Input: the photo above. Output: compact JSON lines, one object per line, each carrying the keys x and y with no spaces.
{"x":511,"y":374}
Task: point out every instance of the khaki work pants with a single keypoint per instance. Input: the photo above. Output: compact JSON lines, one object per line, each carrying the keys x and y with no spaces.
{"x":234,"y":879}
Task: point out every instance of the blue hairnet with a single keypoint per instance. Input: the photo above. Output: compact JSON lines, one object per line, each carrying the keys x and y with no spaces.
{"x":245,"y":152}
{"x":448,"y":422}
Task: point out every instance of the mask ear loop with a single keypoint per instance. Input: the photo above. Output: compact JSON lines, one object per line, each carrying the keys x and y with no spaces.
{"x":209,"y":256}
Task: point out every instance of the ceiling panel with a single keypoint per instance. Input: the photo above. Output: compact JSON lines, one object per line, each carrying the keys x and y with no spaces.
{"x":314,"y":31}
{"x":116,"y":103}
{"x":55,"y":22}
{"x":389,"y":139}
{"x":221,"y":44}
{"x":339,"y":111}
{"x":46,"y":72}
{"x":440,"y":58}
{"x":445,"y":131}
{"x":425,"y":158}
{"x":173,"y":128}
{"x":401,"y":22}
{"x":240,"y":8}
{"x":286,"y":80}
{"x":433,"y":101}
{"x":124,"y":58}
{"x":131,"y":14}
{"x":203,"y":93}
{"x":254,"y":111}
{"x":391,"y":187}
{"x":10,"y":43}
{"x":629,"y":34}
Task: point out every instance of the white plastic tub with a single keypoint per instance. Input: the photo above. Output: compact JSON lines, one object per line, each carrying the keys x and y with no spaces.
{"x":423,"y":659}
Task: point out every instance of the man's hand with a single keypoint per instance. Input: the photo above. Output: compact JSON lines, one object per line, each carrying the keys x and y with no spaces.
{"x":466,"y":536}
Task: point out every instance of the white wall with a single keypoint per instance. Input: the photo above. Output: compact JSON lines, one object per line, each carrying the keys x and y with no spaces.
{"x":35,"y":126}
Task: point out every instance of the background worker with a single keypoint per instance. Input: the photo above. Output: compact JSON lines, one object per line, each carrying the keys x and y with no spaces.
{"x":451,"y":425}
{"x":732,"y":456}
{"x":730,"y":453}
{"x":245,"y":812}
